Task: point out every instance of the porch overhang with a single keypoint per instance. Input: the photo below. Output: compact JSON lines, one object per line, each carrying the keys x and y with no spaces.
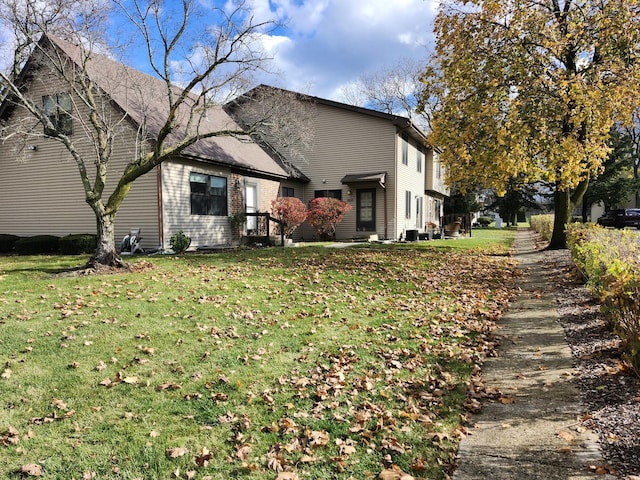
{"x":436,"y":194}
{"x":375,"y":177}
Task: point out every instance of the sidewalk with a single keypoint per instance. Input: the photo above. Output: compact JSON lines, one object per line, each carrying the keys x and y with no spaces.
{"x":534,"y":432}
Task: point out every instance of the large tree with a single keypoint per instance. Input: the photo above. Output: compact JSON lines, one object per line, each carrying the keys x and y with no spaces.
{"x":530,"y":89}
{"x":209,"y":62}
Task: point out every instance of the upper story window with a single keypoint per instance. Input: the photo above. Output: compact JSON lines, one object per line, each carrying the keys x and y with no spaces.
{"x":405,"y":149}
{"x":328,"y":193}
{"x":208,"y":194}
{"x":419,"y":158}
{"x":438,"y":169}
{"x":287,"y":192}
{"x":59,"y":108}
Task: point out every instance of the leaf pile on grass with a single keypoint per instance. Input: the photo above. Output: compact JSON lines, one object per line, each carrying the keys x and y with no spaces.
{"x":296,"y":363}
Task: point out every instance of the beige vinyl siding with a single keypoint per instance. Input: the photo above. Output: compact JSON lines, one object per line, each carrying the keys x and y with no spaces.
{"x":347,"y":142}
{"x":408,"y":180}
{"x":204,"y":230}
{"x":46,"y":185}
{"x":435,"y":173}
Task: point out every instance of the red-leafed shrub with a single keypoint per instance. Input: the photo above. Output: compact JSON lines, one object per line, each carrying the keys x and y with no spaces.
{"x":325,"y":214}
{"x":291,"y":211}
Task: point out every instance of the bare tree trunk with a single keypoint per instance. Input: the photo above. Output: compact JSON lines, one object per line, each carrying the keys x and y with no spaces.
{"x":106,"y":253}
{"x":561,"y":219}
{"x":565,"y":202}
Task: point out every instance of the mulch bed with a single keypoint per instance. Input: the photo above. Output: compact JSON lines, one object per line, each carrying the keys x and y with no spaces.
{"x":610,"y":389}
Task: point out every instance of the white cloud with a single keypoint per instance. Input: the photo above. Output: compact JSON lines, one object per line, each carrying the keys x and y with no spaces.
{"x":332,"y":42}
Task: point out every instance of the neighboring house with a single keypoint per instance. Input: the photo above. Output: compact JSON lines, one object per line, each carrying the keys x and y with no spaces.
{"x":41,"y":191}
{"x":381,"y":164}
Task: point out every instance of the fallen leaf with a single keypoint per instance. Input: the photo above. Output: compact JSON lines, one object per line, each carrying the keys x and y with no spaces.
{"x":202,"y":460}
{"x":56,"y":402}
{"x":566,"y":436}
{"x":31,"y":470}
{"x":318,"y":438}
{"x":106,"y":382}
{"x":176,"y":452}
{"x":394,"y":473}
{"x":243,"y":452}
{"x":287,"y":476}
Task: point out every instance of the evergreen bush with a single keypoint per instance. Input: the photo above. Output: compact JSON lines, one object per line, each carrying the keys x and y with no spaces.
{"x":179,"y":242}
{"x":37,"y":244}
{"x":79,"y":243}
{"x":7,"y":242}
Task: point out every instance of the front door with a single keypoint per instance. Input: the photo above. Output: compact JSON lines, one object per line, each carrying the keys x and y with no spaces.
{"x":251,"y":206}
{"x":366,"y":210}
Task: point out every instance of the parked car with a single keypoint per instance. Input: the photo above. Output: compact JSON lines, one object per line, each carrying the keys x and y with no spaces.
{"x":621,"y":218}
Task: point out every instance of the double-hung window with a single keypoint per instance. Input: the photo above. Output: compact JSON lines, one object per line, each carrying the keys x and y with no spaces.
{"x":405,"y":149}
{"x":208,"y":194}
{"x":287,"y":192}
{"x":407,"y":204}
{"x":59,"y":109}
{"x":419,"y":159}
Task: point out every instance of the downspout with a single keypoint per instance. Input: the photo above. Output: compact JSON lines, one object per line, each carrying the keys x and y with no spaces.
{"x":397,"y":178}
{"x":386,"y":227}
{"x":160,"y":217}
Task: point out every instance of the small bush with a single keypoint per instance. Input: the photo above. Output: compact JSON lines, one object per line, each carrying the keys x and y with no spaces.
{"x":37,"y":245}
{"x":179,"y":242}
{"x":543,"y":224}
{"x":484,"y":221}
{"x":291,"y":211}
{"x":7,"y":242}
{"x":77,"y":244}
{"x":325,"y":214}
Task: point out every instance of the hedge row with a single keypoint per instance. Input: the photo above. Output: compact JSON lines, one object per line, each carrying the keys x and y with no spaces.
{"x":610,"y":260}
{"x":543,"y":224}
{"x":75,"y":244}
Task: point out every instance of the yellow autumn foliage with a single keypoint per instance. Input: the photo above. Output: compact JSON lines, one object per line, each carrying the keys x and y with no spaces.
{"x":531,"y":90}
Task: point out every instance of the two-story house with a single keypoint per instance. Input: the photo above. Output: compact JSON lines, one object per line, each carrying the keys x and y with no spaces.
{"x":379,"y":163}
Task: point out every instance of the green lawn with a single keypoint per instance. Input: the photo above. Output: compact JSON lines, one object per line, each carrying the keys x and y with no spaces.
{"x":327,"y":363}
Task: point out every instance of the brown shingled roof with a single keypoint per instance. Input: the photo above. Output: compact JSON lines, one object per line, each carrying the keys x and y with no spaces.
{"x":143,"y":97}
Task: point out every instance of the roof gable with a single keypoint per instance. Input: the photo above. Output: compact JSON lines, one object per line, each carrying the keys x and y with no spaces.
{"x":142,"y":98}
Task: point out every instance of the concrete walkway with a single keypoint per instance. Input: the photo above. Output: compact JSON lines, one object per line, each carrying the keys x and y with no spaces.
{"x":534,"y":431}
